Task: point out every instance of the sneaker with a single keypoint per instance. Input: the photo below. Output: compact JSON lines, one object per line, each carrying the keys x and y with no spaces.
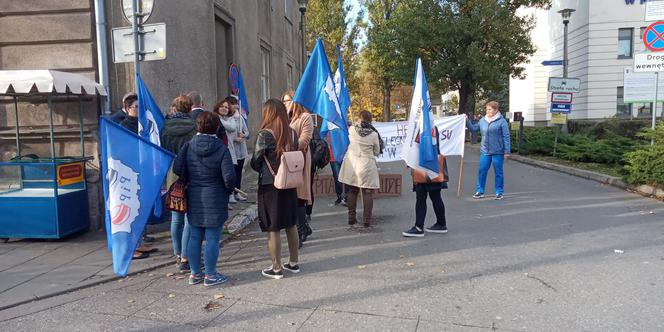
{"x":231,"y":199}
{"x":270,"y":273}
{"x":292,"y":268}
{"x":338,"y":201}
{"x":343,"y":202}
{"x":478,"y":195}
{"x":230,"y":208}
{"x":148,"y":239}
{"x":215,"y":279}
{"x":413,"y":232}
{"x":183,"y":267}
{"x":498,"y":197}
{"x":195,"y":279}
{"x":239,"y":198}
{"x":436,"y":228}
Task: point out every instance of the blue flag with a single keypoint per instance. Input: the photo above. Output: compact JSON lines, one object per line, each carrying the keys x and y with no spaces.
{"x":133,"y":170}
{"x":420,"y":150}
{"x":316,"y":91}
{"x":150,"y":123}
{"x":338,"y":136}
{"x":244,"y":104}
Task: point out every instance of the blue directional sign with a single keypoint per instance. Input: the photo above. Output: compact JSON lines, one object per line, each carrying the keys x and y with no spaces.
{"x":552,"y":63}
{"x":561,"y":108}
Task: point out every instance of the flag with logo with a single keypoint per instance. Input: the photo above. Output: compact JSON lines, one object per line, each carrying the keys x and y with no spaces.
{"x":150,"y":123}
{"x":316,"y":90}
{"x":451,"y":134}
{"x":339,"y":140}
{"x":420,"y":150}
{"x":133,"y":170}
{"x":242,"y":94}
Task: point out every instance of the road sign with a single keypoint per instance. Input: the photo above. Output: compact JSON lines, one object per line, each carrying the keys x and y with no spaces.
{"x":648,"y":62}
{"x":154,"y":43}
{"x":561,"y":108}
{"x":640,"y":87}
{"x":654,"y":10}
{"x":559,"y":84}
{"x":561,"y":97}
{"x":558,"y":118}
{"x":145,"y":7}
{"x":653,"y":37}
{"x":552,"y":63}
{"x":233,"y":74}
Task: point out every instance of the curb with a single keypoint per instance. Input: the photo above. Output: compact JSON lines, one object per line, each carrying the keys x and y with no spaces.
{"x":235,"y":226}
{"x":643,"y":190}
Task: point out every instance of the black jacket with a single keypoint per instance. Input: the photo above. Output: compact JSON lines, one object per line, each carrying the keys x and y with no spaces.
{"x":130,"y":123}
{"x":177,"y":131}
{"x":118,"y":116}
{"x":206,"y":165}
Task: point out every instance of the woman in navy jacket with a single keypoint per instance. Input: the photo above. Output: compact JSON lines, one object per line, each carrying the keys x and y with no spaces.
{"x":494,"y":148}
{"x":206,"y":165}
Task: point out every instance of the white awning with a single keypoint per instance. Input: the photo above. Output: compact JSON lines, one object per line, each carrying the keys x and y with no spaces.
{"x":47,"y":82}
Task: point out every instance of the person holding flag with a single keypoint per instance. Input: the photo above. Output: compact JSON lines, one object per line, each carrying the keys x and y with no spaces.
{"x":422,"y":155}
{"x":494,"y":148}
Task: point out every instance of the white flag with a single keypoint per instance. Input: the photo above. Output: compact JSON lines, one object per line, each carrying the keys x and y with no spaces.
{"x":451,"y":134}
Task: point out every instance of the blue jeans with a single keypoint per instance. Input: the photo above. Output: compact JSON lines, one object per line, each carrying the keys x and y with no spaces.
{"x":485,"y":162}
{"x":179,"y":233}
{"x":339,"y":187}
{"x":211,"y":235}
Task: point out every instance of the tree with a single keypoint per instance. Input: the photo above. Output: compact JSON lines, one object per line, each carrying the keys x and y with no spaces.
{"x":382,"y":47}
{"x":466,"y":45}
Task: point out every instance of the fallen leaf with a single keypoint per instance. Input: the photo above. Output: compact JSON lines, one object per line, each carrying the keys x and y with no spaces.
{"x":171,"y":295}
{"x":291,"y":324}
{"x":410,"y":264}
{"x":170,"y":274}
{"x":212,"y":305}
{"x":361,"y":266}
{"x":402,"y":256}
{"x":151,"y":275}
{"x":180,"y":277}
{"x":131,"y":301}
{"x":218,"y":296}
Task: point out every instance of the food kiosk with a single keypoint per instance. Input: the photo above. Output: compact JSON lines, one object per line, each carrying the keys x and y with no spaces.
{"x":43,"y":197}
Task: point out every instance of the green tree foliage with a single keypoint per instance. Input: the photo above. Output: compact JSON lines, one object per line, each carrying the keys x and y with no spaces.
{"x":646,"y":165}
{"x":466,"y":45}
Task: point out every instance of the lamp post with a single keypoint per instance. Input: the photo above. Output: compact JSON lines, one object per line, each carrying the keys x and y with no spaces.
{"x":565,"y":13}
{"x":303,"y":8}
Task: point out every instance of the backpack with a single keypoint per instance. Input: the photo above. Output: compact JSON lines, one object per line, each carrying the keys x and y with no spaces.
{"x":320,"y":152}
{"x":289,"y":174}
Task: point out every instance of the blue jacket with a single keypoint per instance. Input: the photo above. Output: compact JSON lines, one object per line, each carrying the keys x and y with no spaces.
{"x":495,"y":135}
{"x":206,"y":165}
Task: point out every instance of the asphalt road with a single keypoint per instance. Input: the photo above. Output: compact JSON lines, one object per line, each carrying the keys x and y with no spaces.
{"x":557,"y":254}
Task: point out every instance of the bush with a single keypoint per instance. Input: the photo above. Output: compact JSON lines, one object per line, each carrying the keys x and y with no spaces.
{"x":587,"y":149}
{"x":607,"y":128}
{"x":646,"y":165}
{"x":536,"y":140}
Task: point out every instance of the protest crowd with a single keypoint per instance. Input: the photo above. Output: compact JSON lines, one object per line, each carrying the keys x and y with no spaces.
{"x":206,"y":150}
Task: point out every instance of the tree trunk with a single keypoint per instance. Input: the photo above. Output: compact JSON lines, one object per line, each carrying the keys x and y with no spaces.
{"x":387,"y":94}
{"x":467,"y":98}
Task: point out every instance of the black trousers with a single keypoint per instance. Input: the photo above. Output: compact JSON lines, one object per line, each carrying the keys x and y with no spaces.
{"x":421,"y":206}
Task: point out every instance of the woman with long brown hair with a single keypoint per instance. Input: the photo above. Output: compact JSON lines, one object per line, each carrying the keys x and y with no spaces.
{"x":277,"y":208}
{"x":300,"y":121}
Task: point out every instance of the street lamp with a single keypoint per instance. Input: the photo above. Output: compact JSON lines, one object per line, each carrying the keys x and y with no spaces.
{"x":565,"y":13}
{"x":303,"y":8}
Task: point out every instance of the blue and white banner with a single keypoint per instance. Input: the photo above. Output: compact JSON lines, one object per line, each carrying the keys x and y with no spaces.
{"x":133,"y":170}
{"x":420,"y":150}
{"x":339,"y":140}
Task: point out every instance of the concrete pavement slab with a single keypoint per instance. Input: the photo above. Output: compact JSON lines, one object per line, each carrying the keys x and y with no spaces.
{"x":62,"y":320}
{"x":189,"y":309}
{"x":146,"y":325}
{"x":116,"y":302}
{"x":251,"y":316}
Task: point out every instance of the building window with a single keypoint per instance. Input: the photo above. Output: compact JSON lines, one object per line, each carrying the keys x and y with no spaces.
{"x":265,"y":74}
{"x":288,"y":7}
{"x":289,"y":76}
{"x":623,"y":110}
{"x":289,"y":35}
{"x":625,"y":43}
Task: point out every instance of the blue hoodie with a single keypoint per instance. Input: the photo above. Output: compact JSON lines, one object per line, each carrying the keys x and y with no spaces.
{"x":495,"y":135}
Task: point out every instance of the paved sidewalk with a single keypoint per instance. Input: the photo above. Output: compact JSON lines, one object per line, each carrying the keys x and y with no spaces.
{"x":33,"y":269}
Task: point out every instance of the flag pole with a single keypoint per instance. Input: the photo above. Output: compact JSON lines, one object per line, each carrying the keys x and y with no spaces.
{"x":460,"y":177}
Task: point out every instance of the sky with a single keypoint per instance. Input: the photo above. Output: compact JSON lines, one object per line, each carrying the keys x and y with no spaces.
{"x":356,"y":6}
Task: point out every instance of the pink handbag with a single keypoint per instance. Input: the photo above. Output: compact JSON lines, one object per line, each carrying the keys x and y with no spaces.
{"x":290,"y":173}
